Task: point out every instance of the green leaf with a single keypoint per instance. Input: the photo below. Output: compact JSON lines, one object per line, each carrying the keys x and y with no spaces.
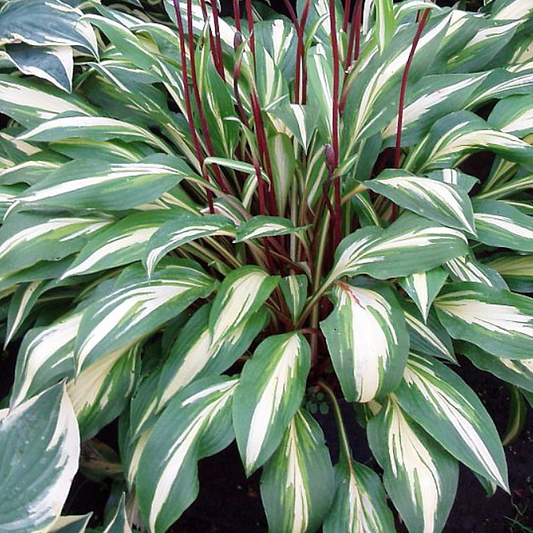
{"x":182,"y":230}
{"x":513,"y":114}
{"x":102,"y":185}
{"x":294,"y":290}
{"x":427,"y":336}
{"x":52,"y":63}
{"x":71,"y":524}
{"x":119,"y":521}
{"x":360,"y":503}
{"x":269,"y":393}
{"x":298,"y":119}
{"x":367,"y":340}
{"x":297,"y":484}
{"x":467,"y":269}
{"x":423,"y":287}
{"x":91,"y":128}
{"x":420,"y":477}
{"x":511,"y":9}
{"x":431,"y":199}
{"x":39,"y":452}
{"x":385,"y":22}
{"x":29,"y":238}
{"x":283,"y":161}
{"x":30,"y":102}
{"x":101,"y":391}
{"x":138,"y":308}
{"x":494,"y":319}
{"x":264,"y":226}
{"x":517,"y":271}
{"x":519,"y":372}
{"x":197,"y":423}
{"x":499,"y":224}
{"x":240,"y":295}
{"x":409,"y":245}
{"x":441,"y":402}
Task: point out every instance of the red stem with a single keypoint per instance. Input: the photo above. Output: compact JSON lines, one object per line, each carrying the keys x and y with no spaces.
{"x":335,"y":111}
{"x":348,"y":5}
{"x":211,"y":38}
{"x":357,"y":23}
{"x":420,"y":29}
{"x":250,"y":18}
{"x":218,"y":42}
{"x":303,"y":65}
{"x":237,"y":15}
{"x":292,"y":13}
{"x":190,"y":118}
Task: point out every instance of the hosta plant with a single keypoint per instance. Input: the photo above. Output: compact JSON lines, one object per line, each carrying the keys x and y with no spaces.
{"x":210,"y":217}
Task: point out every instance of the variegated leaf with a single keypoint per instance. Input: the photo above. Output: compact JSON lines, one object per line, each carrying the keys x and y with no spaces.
{"x":39,"y":452}
{"x":120,"y":243}
{"x":70,"y":524}
{"x":264,"y":226}
{"x":26,"y":239}
{"x":409,"y":245}
{"x":269,"y":393}
{"x":279,"y":39}
{"x":431,"y":199}
{"x":367,"y":340}
{"x":97,"y":184}
{"x":455,"y":136}
{"x":101,"y":391}
{"x":193,"y":355}
{"x":468,"y":269}
{"x":297,"y":484}
{"x":182,"y":230}
{"x":92,"y":128}
{"x":360,"y":504}
{"x":197,"y":423}
{"x":119,"y":520}
{"x":494,"y":319}
{"x":137,"y":308}
{"x":519,"y":372}
{"x":441,"y":402}
{"x":30,"y":103}
{"x":423,"y":287}
{"x":420,"y":477}
{"x":45,"y":356}
{"x":46,"y":23}
{"x":499,"y":224}
{"x":240,"y":295}
{"x":517,"y":271}
{"x":384,"y":24}
{"x":513,"y":115}
{"x":427,"y":336}
{"x":294,"y":290}
{"x":52,"y":63}
{"x":298,"y":119}
{"x":283,"y":163}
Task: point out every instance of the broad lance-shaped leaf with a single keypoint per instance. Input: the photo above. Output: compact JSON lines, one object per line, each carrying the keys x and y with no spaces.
{"x":46,"y":23}
{"x":443,"y":404}
{"x":194,"y":355}
{"x":140,"y":307}
{"x":420,"y":477}
{"x":52,"y":63}
{"x":119,"y":520}
{"x":360,"y":504}
{"x":120,"y":243}
{"x":45,"y":356}
{"x":70,"y":524}
{"x":423,"y":287}
{"x":39,"y":452}
{"x":494,"y":319}
{"x":427,"y":336}
{"x":240,"y":295}
{"x":263,"y":226}
{"x":92,"y":128}
{"x":513,"y":115}
{"x":185,"y":228}
{"x":429,"y":198}
{"x":26,"y":239}
{"x":294,"y":290}
{"x":468,"y":269}
{"x":101,"y":391}
{"x":500,"y":224}
{"x":409,"y":245}
{"x":269,"y":393}
{"x":297,"y":484}
{"x":385,"y":22}
{"x":30,"y":103}
{"x":196,"y":424}
{"x":367,"y":340}
{"x":93,"y":184}
{"x":519,"y":372}
{"x":516,"y":270}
